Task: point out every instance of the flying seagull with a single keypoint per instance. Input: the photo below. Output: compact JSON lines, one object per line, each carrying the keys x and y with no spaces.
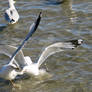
{"x":9,"y":71}
{"x":11,"y":14}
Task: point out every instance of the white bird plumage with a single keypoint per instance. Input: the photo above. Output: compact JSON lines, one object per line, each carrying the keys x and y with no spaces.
{"x":18,"y":59}
{"x":9,"y":71}
{"x":11,"y":14}
{"x":33,"y":68}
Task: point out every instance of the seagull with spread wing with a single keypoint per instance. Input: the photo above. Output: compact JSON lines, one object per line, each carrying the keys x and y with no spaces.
{"x":33,"y":68}
{"x":10,"y":70}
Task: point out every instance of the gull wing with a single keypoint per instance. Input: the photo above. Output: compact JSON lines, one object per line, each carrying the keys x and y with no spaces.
{"x":57,"y":47}
{"x":8,"y":50}
{"x":32,"y":30}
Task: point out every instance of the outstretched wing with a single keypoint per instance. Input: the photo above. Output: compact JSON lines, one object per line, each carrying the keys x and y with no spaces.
{"x":57,"y":47}
{"x":8,"y":50}
{"x":32,"y":30}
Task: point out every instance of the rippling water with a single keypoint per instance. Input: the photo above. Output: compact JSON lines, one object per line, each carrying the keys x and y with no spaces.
{"x":71,"y":70}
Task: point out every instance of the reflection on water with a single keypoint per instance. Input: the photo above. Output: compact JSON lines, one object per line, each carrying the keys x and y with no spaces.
{"x":3,"y":26}
{"x":71,"y":19}
{"x":54,"y":2}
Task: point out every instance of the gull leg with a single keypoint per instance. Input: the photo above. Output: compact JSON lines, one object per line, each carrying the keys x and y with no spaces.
{"x":15,"y":85}
{"x":12,"y":83}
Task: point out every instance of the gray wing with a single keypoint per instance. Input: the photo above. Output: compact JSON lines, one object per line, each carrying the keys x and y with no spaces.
{"x":8,"y":50}
{"x":32,"y":30}
{"x":57,"y":47}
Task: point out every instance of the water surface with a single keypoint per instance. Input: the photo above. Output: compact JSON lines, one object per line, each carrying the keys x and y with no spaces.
{"x":71,"y":19}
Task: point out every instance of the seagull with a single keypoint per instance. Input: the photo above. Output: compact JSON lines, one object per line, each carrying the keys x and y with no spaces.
{"x":33,"y":68}
{"x":12,"y":69}
{"x":11,"y":14}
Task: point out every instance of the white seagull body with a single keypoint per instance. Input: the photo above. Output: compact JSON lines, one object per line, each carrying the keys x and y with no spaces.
{"x":11,"y":14}
{"x":10,"y":70}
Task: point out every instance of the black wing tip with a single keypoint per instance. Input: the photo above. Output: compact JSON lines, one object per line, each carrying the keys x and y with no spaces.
{"x":38,"y":20}
{"x":76,"y":42}
{"x":40,"y":14}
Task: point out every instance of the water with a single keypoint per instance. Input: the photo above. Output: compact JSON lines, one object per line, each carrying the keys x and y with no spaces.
{"x":71,"y":70}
